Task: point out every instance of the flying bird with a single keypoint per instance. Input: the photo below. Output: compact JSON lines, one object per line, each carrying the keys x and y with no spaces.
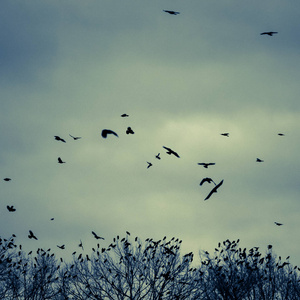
{"x":270,"y":33}
{"x":124,"y":115}
{"x":105,"y":132}
{"x":157,"y":156}
{"x":59,"y":138}
{"x":278,"y":224}
{"x":60,"y":161}
{"x":214,"y":190}
{"x":7,"y":179}
{"x":97,"y":236}
{"x":205,"y":165}
{"x":149,"y":164}
{"x":170,"y":151}
{"x":281,"y":134}
{"x":172,"y":12}
{"x":61,"y":247}
{"x":207,"y":179}
{"x":31,"y":235}
{"x":259,"y":160}
{"x":10,"y":208}
{"x":225,"y":134}
{"x":52,"y":219}
{"x":75,"y":137}
{"x":80,"y":245}
{"x":129,"y":131}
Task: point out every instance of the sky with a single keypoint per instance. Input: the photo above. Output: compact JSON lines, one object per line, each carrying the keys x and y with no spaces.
{"x":74,"y":67}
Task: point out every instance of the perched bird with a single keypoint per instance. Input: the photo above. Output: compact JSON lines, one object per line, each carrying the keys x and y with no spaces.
{"x":124,"y":115}
{"x":149,"y":164}
{"x":80,"y":245}
{"x":171,"y":12}
{"x":157,"y":156}
{"x":7,"y":179}
{"x":129,"y":131}
{"x":11,"y":208}
{"x":59,"y":138}
{"x":75,"y":137}
{"x":214,"y":190}
{"x":61,"y":247}
{"x":31,"y":235}
{"x":60,"y":161}
{"x":170,"y":151}
{"x":205,"y":165}
{"x":105,"y":132}
{"x":278,"y":224}
{"x":259,"y":160}
{"x":207,"y":179}
{"x":225,"y":134}
{"x":270,"y":33}
{"x":281,"y":134}
{"x":97,"y":236}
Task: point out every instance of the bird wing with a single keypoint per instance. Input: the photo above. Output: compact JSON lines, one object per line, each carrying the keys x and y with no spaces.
{"x":210,"y":193}
{"x":219,"y":184}
{"x":105,"y":132}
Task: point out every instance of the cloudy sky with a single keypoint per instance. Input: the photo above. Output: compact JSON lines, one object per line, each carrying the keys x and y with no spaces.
{"x":74,"y":66}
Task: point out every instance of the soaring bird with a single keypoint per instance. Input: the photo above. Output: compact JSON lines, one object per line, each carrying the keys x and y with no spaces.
{"x":170,"y":151}
{"x":207,"y":179}
{"x":225,"y":134}
{"x":7,"y":179}
{"x":10,"y":208}
{"x":31,"y":235}
{"x":75,"y":137}
{"x":97,"y":237}
{"x":205,"y":165}
{"x":281,"y":134}
{"x":270,"y":33}
{"x":259,"y":160}
{"x":278,"y":224}
{"x":157,"y":156}
{"x":149,"y":164}
{"x":59,"y":138}
{"x":61,"y":247}
{"x":60,"y":161}
{"x":129,"y":131}
{"x":105,"y":132}
{"x":172,"y":12}
{"x":124,"y":115}
{"x":214,"y":190}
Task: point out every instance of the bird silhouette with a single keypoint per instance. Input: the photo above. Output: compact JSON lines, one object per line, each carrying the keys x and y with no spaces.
{"x":59,"y":138}
{"x":170,"y":151}
{"x":149,"y":164}
{"x":97,"y":237}
{"x":124,"y":115}
{"x":105,"y":132}
{"x":75,"y":137}
{"x":81,"y":245}
{"x":31,"y":235}
{"x":61,"y":247}
{"x":60,"y":161}
{"x":129,"y":131}
{"x":259,"y":160}
{"x":127,"y":232}
{"x":207,"y":179}
{"x":278,"y":224}
{"x":157,"y":156}
{"x":205,"y":165}
{"x":270,"y":33}
{"x":172,"y":12}
{"x":52,"y":219}
{"x":7,"y":179}
{"x":225,"y":134}
{"x":214,"y":190}
{"x":10,"y":208}
{"x":281,"y":134}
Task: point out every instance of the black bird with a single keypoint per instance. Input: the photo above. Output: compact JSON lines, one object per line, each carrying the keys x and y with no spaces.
{"x":59,"y":138}
{"x":61,"y":247}
{"x":75,"y":137}
{"x":105,"y":132}
{"x":207,"y":179}
{"x":124,"y":115}
{"x":80,"y":245}
{"x":97,"y":236}
{"x":157,"y":156}
{"x":31,"y":235}
{"x":278,"y":224}
{"x":129,"y":131}
{"x":270,"y":33}
{"x":214,"y":190}
{"x":259,"y":160}
{"x":149,"y":164}
{"x":11,"y":208}
{"x":127,"y":232}
{"x":171,"y":12}
{"x":60,"y":161}
{"x":51,"y":219}
{"x":225,"y":134}
{"x":170,"y":151}
{"x":7,"y":179}
{"x":205,"y":165}
{"x":281,"y":134}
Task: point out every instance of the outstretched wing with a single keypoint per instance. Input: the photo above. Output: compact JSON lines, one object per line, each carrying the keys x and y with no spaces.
{"x":105,"y":132}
